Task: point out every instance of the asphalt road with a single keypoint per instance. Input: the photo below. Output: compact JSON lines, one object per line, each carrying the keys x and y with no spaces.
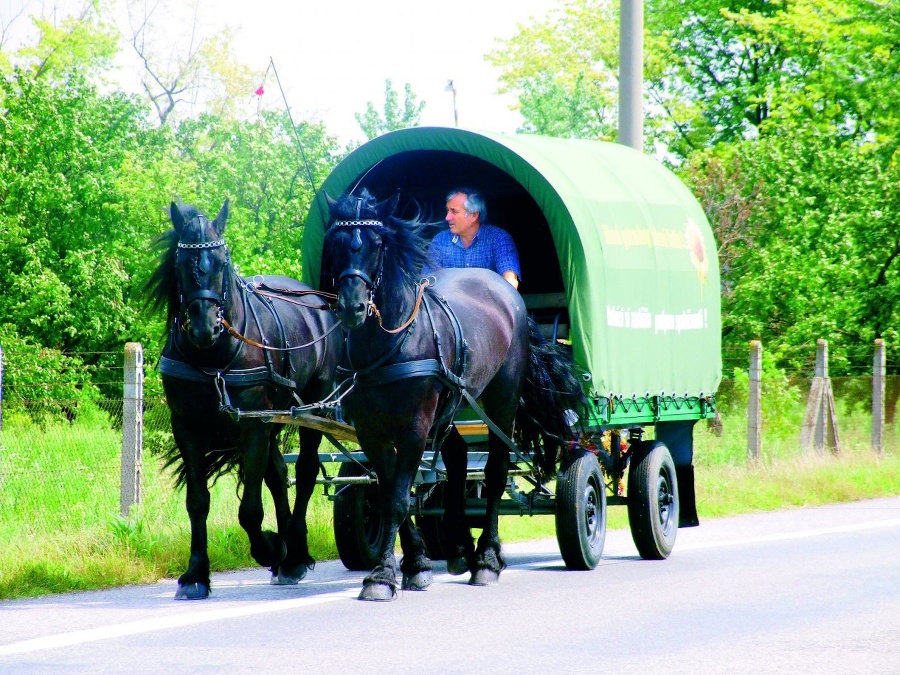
{"x":801,"y":591}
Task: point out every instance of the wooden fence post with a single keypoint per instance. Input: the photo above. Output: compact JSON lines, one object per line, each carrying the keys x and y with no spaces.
{"x":754,"y":402}
{"x":879,"y":363}
{"x":820,"y":427}
{"x":132,"y":427}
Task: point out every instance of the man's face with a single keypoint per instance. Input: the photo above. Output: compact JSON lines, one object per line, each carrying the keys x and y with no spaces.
{"x":461,"y":223}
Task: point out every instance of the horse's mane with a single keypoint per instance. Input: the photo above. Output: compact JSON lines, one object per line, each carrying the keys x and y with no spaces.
{"x":161,"y":288}
{"x":406,"y":240}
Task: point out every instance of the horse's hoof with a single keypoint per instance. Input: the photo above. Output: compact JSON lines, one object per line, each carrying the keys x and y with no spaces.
{"x":458,"y":565}
{"x":195,"y":591}
{"x":378,"y":593}
{"x":484,"y":577}
{"x":289,"y":577}
{"x":418,"y":582}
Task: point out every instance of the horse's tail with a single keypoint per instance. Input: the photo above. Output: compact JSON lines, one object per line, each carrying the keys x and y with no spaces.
{"x":552,"y":390}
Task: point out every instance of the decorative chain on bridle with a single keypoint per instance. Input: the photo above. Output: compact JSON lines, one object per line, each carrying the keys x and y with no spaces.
{"x":372,"y":285}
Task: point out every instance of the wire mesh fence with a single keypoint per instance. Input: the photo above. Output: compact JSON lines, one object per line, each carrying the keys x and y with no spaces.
{"x":61,"y":458}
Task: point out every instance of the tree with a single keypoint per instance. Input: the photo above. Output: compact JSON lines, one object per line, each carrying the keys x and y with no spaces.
{"x":714,"y":70}
{"x":815,"y":254}
{"x":260,"y":167}
{"x":563,"y":68}
{"x":83,"y":43}
{"x":61,"y":148}
{"x":191,"y":71}
{"x":394,"y":116}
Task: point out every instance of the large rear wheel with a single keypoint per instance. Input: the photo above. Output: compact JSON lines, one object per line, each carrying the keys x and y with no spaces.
{"x":581,"y":512}
{"x":652,"y":499}
{"x":358,"y":533}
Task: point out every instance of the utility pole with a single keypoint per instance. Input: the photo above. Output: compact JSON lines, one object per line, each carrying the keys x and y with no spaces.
{"x":631,"y":73}
{"x":451,"y":88}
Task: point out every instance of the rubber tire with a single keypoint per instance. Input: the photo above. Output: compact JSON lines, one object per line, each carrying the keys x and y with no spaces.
{"x":652,"y":499}
{"x":358,"y":533}
{"x":581,"y":512}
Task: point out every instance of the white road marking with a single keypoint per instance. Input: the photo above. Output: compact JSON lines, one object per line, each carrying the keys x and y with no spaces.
{"x":79,"y":637}
{"x":174,"y":621}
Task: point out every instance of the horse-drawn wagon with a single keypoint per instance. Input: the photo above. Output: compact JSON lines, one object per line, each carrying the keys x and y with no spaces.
{"x":467,"y":398}
{"x":618,"y":262}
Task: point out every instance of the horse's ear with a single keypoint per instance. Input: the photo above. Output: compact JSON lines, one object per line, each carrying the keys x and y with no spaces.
{"x":332,"y":209}
{"x":387,"y":208}
{"x":222,"y":218}
{"x":332,"y":203}
{"x":176,"y":217}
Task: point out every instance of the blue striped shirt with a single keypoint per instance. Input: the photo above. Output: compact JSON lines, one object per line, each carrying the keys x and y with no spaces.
{"x":492,"y":248}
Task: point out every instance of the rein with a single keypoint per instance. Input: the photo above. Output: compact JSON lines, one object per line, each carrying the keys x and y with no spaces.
{"x":253,"y":343}
{"x":423,"y":284}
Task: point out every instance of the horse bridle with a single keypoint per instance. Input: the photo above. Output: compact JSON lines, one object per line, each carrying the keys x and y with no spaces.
{"x":356,"y":244}
{"x":203,"y":293}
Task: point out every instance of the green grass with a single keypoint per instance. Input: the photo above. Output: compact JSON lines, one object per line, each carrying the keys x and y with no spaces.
{"x":59,"y":501}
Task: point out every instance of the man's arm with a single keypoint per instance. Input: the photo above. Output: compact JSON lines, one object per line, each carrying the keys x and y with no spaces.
{"x":512,"y":278}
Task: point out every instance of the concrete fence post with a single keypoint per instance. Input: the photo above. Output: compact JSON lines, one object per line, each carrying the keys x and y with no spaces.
{"x":754,"y":402}
{"x":879,"y":366}
{"x":132,"y":427}
{"x":1,"y":388}
{"x":820,"y":427}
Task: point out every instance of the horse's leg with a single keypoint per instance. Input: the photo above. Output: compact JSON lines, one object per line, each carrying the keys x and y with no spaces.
{"x":500,"y":400}
{"x":488,"y":562}
{"x":194,"y":584}
{"x":298,"y":561}
{"x":267,"y":548}
{"x":277,"y":481}
{"x":396,"y":471}
{"x":415,"y":565}
{"x":457,"y":538}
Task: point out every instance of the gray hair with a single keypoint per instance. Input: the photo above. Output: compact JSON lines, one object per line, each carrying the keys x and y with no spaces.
{"x":474,"y":201}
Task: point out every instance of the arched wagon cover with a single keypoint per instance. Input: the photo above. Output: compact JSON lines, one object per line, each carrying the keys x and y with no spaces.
{"x":635,"y":260}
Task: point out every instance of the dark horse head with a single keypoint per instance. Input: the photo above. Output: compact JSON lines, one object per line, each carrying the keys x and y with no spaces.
{"x":196,"y":294}
{"x":355,"y":262}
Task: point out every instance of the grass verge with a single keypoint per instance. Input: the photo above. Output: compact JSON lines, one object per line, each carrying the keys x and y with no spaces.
{"x":58,"y":534}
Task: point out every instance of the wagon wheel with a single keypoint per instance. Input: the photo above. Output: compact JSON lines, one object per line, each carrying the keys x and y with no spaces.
{"x":652,"y":499}
{"x":358,"y":533}
{"x":581,"y":512}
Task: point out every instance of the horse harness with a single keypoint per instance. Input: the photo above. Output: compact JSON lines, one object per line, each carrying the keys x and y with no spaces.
{"x":380,"y":372}
{"x":221,"y":378}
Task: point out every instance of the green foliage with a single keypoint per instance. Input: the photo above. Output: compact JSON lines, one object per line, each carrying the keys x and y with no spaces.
{"x":563,"y":68}
{"x":260,"y":167}
{"x":393,"y":115}
{"x":781,"y":397}
{"x":60,"y":150}
{"x":85,"y":43}
{"x":807,"y":228}
{"x":43,"y":382}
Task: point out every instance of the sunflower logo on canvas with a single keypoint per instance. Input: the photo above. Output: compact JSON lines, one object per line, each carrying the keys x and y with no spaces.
{"x":697,"y":250}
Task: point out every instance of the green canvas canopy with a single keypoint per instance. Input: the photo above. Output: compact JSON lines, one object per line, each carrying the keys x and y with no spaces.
{"x":610,"y":231}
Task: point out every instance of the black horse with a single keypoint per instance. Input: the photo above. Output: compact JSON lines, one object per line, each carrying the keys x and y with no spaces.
{"x":236,"y":344}
{"x":415,"y":348}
